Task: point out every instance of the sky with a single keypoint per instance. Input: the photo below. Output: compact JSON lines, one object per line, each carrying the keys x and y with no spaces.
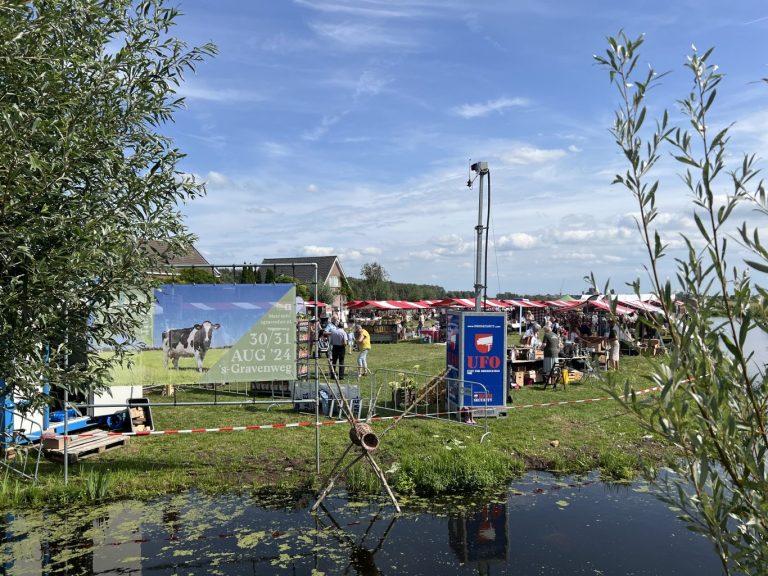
{"x":347,"y":127}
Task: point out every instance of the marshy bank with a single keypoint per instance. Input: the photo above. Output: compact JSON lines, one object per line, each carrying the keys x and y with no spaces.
{"x":421,"y":457}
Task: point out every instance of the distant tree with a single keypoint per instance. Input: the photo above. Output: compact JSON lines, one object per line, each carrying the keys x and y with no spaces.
{"x":247,"y":275}
{"x":194,"y":276}
{"x":375,"y":279}
{"x":460,"y":294}
{"x":301,"y":289}
{"x":269,"y":277}
{"x":359,"y":290}
{"x":257,"y":276}
{"x":346,"y":289}
{"x":712,"y":405}
{"x":87,"y":179}
{"x":324,"y":293}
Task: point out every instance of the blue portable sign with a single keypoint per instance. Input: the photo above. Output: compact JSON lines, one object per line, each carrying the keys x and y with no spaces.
{"x":476,"y":355}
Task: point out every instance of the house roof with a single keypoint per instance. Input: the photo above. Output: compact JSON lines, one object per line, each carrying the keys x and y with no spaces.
{"x":304,"y":274}
{"x":191,"y":257}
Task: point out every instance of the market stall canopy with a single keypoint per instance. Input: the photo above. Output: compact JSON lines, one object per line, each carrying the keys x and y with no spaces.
{"x":558,"y":303}
{"x":313,"y":303}
{"x":468,"y":303}
{"x":525,"y":303}
{"x":602,"y":305}
{"x":640,"y":305}
{"x":384,"y":305}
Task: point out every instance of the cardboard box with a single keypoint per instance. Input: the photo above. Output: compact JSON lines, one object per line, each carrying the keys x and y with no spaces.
{"x":534,"y":375}
{"x":50,"y":443}
{"x":519,"y":378}
{"x":539,"y":354}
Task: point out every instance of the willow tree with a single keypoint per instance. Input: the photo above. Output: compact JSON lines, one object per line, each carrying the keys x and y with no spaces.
{"x":713,"y":403}
{"x":87,"y":180}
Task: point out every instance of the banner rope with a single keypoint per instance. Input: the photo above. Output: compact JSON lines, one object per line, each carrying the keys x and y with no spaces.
{"x":307,"y":424}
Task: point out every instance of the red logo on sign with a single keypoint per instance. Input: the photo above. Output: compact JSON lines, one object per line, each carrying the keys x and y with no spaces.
{"x":483,"y":343}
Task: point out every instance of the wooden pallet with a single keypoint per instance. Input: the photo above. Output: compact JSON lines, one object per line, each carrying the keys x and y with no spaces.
{"x":86,"y":446}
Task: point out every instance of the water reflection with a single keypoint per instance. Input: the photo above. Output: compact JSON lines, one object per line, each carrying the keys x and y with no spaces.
{"x":543,"y":525}
{"x":480,"y":537}
{"x":362,"y":558}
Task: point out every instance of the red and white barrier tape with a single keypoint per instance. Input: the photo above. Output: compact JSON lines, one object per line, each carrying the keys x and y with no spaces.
{"x":323,"y":423}
{"x":584,"y":401}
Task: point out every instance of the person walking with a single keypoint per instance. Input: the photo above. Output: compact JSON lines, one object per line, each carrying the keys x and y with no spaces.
{"x":551,"y":346}
{"x":614,"y":346}
{"x":363,"y":340}
{"x":338,"y":340}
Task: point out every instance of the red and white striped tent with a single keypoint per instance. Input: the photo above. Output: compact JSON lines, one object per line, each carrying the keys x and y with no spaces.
{"x":468,"y":303}
{"x":525,"y":304}
{"x":640,"y":305}
{"x":384,"y":305}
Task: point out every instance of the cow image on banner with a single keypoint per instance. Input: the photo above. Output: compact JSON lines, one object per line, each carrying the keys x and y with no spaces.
{"x":193,"y":341}
{"x":215,"y":333}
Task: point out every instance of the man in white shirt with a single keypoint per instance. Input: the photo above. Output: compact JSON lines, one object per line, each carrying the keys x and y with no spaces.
{"x":338,"y":338}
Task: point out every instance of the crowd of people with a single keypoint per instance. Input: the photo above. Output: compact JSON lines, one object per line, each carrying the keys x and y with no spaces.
{"x":564,"y":330}
{"x":333,"y":340}
{"x":555,"y":333}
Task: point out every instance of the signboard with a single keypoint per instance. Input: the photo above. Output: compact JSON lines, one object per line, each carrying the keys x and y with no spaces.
{"x":216,"y":333}
{"x":476,"y":359}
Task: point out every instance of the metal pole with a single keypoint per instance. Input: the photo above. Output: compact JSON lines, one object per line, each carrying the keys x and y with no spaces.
{"x":482,"y":170}
{"x":317,"y":382}
{"x":66,"y":437}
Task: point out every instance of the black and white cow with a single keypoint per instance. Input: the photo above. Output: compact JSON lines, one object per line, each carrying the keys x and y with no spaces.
{"x":193,"y":341}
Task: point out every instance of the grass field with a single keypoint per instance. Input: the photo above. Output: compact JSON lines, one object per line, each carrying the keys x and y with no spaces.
{"x":147,"y":369}
{"x":423,"y":456}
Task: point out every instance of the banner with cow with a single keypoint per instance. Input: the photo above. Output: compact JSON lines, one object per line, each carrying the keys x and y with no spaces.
{"x":216,"y":333}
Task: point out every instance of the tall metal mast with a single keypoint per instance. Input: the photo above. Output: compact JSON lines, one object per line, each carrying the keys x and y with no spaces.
{"x":482,"y":170}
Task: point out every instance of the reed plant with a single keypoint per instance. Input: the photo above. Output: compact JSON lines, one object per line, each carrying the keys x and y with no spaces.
{"x":96,"y":485}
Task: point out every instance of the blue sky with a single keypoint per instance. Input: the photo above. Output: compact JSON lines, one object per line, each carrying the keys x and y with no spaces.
{"x":347,"y":127}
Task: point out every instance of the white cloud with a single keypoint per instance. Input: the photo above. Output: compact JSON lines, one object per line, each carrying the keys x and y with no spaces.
{"x":354,"y":36}
{"x":425,"y":255}
{"x":285,"y":44}
{"x":217,"y":179}
{"x":523,"y":155}
{"x":517,"y":241}
{"x":613,"y":233}
{"x":370,"y":84}
{"x":320,"y":130}
{"x":484,"y":109}
{"x":276,"y":150}
{"x":318,"y":251}
{"x":312,"y":188}
{"x":354,"y":8}
{"x":218,"y":94}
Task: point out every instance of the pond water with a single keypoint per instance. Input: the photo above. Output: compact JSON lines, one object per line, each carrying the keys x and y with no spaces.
{"x":542,"y":525}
